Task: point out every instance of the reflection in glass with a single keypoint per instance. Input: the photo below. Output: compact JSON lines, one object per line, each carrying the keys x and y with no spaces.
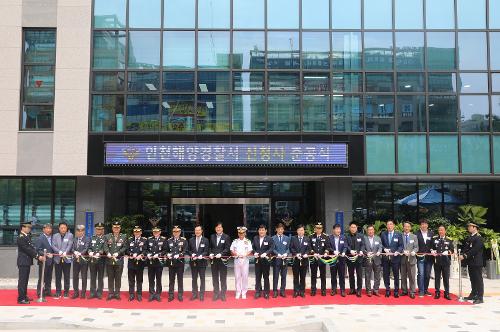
{"x":379,"y":82}
{"x":442,"y":82}
{"x":37,"y":116}
{"x":494,"y":50}
{"x":495,"y":82}
{"x":347,"y":114}
{"x":65,"y":201}
{"x":347,"y":82}
{"x":316,"y":82}
{"x":213,"y":49}
{"x":472,"y":53}
{"x":144,"y":49}
{"x":379,"y":198}
{"x":143,"y":113}
{"x":283,"y":50}
{"x":248,"y":81}
{"x":249,"y":113}
{"x":248,"y":50}
{"x":442,"y":113}
{"x":143,"y":81}
{"x":411,"y":82}
{"x":379,"y":112}
{"x":213,"y":81}
{"x":315,"y":50}
{"x":38,"y":201}
{"x":378,"y":50}
{"x":108,"y":81}
{"x":40,"y":46}
{"x":282,"y":189}
{"x":443,"y":154}
{"x":316,"y":115}
{"x":248,"y":14}
{"x":380,"y":155}
{"x":178,"y":49}
{"x":473,"y":83}
{"x":107,"y":113}
{"x":282,"y":81}
{"x":144,"y":13}
{"x":179,"y":13}
{"x":110,"y":13}
{"x":411,"y":113}
{"x":275,"y":17}
{"x":440,"y":14}
{"x":339,"y":18}
{"x":412,"y":155}
{"x":346,"y":50}
{"x":177,"y":113}
{"x":315,"y":14}
{"x":213,"y":14}
{"x":109,"y":50}
{"x":410,"y":50}
{"x":471,"y":14}
{"x":176,"y":81}
{"x":377,"y":14}
{"x":495,"y":112}
{"x":38,"y":84}
{"x":212,"y":113}
{"x":404,"y":212}
{"x":283,"y":113}
{"x":496,"y":153}
{"x":408,"y":14}
{"x":441,"y":50}
{"x":475,"y":154}
{"x":474,"y":113}
{"x":494,"y":9}
{"x":10,"y":200}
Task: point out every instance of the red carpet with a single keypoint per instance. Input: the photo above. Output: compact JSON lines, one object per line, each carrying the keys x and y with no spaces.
{"x":9,"y":298}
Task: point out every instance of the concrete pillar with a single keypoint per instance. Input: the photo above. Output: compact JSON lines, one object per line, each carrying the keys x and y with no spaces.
{"x":90,"y":196}
{"x":337,"y":196}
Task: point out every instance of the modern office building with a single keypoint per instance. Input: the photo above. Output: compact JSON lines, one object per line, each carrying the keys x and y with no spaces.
{"x":247,"y":111}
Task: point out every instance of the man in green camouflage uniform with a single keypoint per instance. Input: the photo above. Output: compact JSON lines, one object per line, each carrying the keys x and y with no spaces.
{"x":115,"y":247}
{"x":97,"y":262}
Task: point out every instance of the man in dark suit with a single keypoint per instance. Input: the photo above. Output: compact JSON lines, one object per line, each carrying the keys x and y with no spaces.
{"x":263,"y":247}
{"x":320,"y":246}
{"x":137,"y":246}
{"x":44,"y":242}
{"x":392,"y":242}
{"x":281,"y":251}
{"x":338,"y":245}
{"x":300,"y":246}
{"x":198,"y":249}
{"x":176,"y":249}
{"x":424,"y":264}
{"x":81,"y":244}
{"x":355,"y":263}
{"x":442,"y":247}
{"x":220,"y":249}
{"x":25,"y":253}
{"x":473,"y":256}
{"x":62,"y":244}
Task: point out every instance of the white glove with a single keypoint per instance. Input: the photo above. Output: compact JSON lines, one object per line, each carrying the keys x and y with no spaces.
{"x":396,"y":253}
{"x":279,"y":256}
{"x":444,"y":253}
{"x":169,"y":256}
{"x":134,"y":255}
{"x":336,"y":252}
{"x":155,"y":256}
{"x":176,"y":256}
{"x":91,"y":253}
{"x":369,"y":254}
{"x":60,"y":253}
{"x":413,"y":253}
{"x":378,"y":253}
{"x":406,"y":252}
{"x":76,"y":253}
{"x":200,"y":257}
{"x":109,"y":255}
{"x":342,"y":254}
{"x":353,"y":252}
{"x":256,"y":255}
{"x":387,"y":250}
{"x":149,"y":256}
{"x":264,"y":255}
{"x":97,"y":255}
{"x":361,"y":253}
{"x":211,"y":256}
{"x":316,"y":255}
{"x":218,"y":256}
{"x":299,"y":256}
{"x":193,"y":256}
{"x":115,"y":254}
{"x":433,"y":251}
{"x":305,"y":256}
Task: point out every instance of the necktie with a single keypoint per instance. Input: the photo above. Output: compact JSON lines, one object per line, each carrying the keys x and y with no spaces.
{"x":197,"y":243}
{"x":300,"y":240}
{"x":407,"y":238}
{"x":78,"y":243}
{"x":218,"y":239}
{"x":390,"y":237}
{"x":280,"y":239}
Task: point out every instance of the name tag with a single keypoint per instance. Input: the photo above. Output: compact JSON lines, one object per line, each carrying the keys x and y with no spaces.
{"x":141,"y":244}
{"x":181,"y":243}
{"x":322,"y":244}
{"x":222,"y":241}
{"x":436,"y":241}
{"x":411,"y":241}
{"x":446,"y":247}
{"x":305,"y":243}
{"x":396,"y":240}
{"x":376,"y":243}
{"x":93,"y":241}
{"x":65,"y":240}
{"x":313,"y":240}
{"x":131,"y":244}
{"x":171,"y":244}
{"x":359,"y":240}
{"x":341,"y":242}
{"x":202,"y":245}
{"x":428,"y":238}
{"x":284,"y":242}
{"x":447,"y":243}
{"x":265,"y":243}
{"x":119,"y":244}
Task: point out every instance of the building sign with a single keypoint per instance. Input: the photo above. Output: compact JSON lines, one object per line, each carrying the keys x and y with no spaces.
{"x":226,"y":154}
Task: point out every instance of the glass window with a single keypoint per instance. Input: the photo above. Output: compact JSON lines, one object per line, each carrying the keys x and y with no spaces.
{"x":38,"y":201}
{"x":347,"y":82}
{"x":377,"y":14}
{"x":37,"y":116}
{"x":283,"y":113}
{"x":443,"y":154}
{"x":283,"y":50}
{"x":459,"y":191}
{"x":496,"y":153}
{"x":494,"y":10}
{"x":107,"y":113}
{"x":249,"y":113}
{"x":287,"y":189}
{"x":176,"y":81}
{"x":144,"y":13}
{"x":10,"y":200}
{"x":472,"y":51}
{"x":315,"y":50}
{"x":275,"y":17}
{"x":214,"y":14}
{"x":109,"y":50}
{"x":178,"y":49}
{"x":144,"y":49}
{"x":209,"y":189}
{"x":411,"y":113}
{"x":359,"y":211}
{"x":495,"y":111}
{"x":212,"y":113}
{"x":473,"y":83}
{"x":248,"y":81}
{"x":143,"y":81}
{"x":346,"y":50}
{"x":445,"y":82}
{"x":213,"y":81}
{"x":411,"y":82}
{"x":378,"y":50}
{"x":380,"y":154}
{"x":316,"y":82}
{"x":403,"y":212}
{"x":213,"y":49}
{"x":258,"y":189}
{"x":110,"y":13}
{"x":108,"y":81}
{"x":379,"y":112}
{"x":412,"y":154}
{"x":474,"y":113}
{"x":442,"y":113}
{"x":316,"y":115}
{"x":475,"y":154}
{"x":282,"y":81}
{"x":347,"y":114}
{"x":178,"y":113}
{"x":471,"y":14}
{"x":494,"y":50}
{"x":179,"y":13}
{"x":65,"y":201}
{"x":379,"y":198}
{"x":440,"y":14}
{"x":233,"y":189}
{"x":315,"y":14}
{"x":248,"y":14}
{"x":379,"y":82}
{"x":409,"y":14}
{"x":339,"y":18}
{"x":40,"y":46}
{"x":410,"y":50}
{"x":249,"y":50}
{"x":495,"y":82}
{"x":38,"y":84}
{"x":143,"y":112}
{"x":441,"y":50}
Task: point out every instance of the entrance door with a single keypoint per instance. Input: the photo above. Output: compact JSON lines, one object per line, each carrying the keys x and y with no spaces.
{"x":230,"y":215}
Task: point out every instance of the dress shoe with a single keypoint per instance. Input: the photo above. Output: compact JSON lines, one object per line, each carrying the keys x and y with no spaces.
{"x":352,"y":292}
{"x":194,"y":296}
{"x":139,"y":297}
{"x":375,"y":293}
{"x":158,"y":297}
{"x":323,"y":293}
{"x":244,"y":296}
{"x":369,"y":293}
{"x":29,"y":299}
{"x":266,"y":296}
{"x":180,"y":297}
{"x":302,"y":294}
{"x":58,"y":295}
{"x":333,"y":292}
{"x":131,"y":297}
{"x":23,"y":302}
{"x":202,"y":297}
{"x":282,"y":293}
{"x":118,"y":297}
{"x":275,"y":294}
{"x":151,"y":298}
{"x":404,"y":293}
{"x":75,"y":295}
{"x":92,"y":296}
{"x":358,"y":294}
{"x":170,"y":298}
{"x":342,"y":293}
{"x":257,"y":295}
{"x":313,"y":292}
{"x":99,"y":296}
{"x":470,"y":297}
{"x":396,"y":295}
{"x":447,"y":296}
{"x":412,"y":296}
{"x":223,"y":297}
{"x":66,"y":295}
{"x":437,"y":295}
{"x":295,"y":294}
{"x":110,"y":297}
{"x":48,"y":294}
{"x":478,"y":301}
{"x":421,"y":294}
{"x":387,"y":293}
{"x":428,"y":293}
{"x":215,"y":297}
{"x":83,"y":295}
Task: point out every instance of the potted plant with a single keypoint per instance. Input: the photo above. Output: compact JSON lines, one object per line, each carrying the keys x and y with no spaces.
{"x":457,"y":234}
{"x":491,"y":239}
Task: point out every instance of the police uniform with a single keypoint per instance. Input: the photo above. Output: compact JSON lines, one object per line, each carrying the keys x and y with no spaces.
{"x":137,"y":252}
{"x":25,"y":253}
{"x":263,"y":247}
{"x":442,"y":245}
{"x":320,"y":246}
{"x":176,"y":249}
{"x":473,"y":257}
{"x":299,"y":246}
{"x":156,"y":248}
{"x":96,"y":263}
{"x":115,"y":248}
{"x":241,"y":248}
{"x":355,"y":247}
{"x":198,"y":249}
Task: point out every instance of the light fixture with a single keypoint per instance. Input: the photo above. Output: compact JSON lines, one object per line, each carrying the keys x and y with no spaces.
{"x":467,"y":86}
{"x":151,"y":87}
{"x":407,"y":86}
{"x":165,"y":104}
{"x":431,"y":105}
{"x":210,"y":104}
{"x":203,"y":87}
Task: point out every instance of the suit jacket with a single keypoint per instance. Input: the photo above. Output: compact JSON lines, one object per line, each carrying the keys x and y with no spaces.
{"x":42,"y":243}
{"x":97,"y":246}
{"x":203,"y":250}
{"x":267,"y":245}
{"x":473,"y":250}
{"x":25,"y":250}
{"x":355,"y":242}
{"x":156,"y":247}
{"x":177,"y":247}
{"x":138,"y":248}
{"x":297,"y":248}
{"x":82,"y":248}
{"x":282,"y":247}
{"x":342,"y":247}
{"x":224,"y":246}
{"x":373,"y":248}
{"x":424,"y":245}
{"x":320,"y":244}
{"x":113,"y":246}
{"x":62,"y":244}
{"x":411,"y":245}
{"x":441,"y":246}
{"x":395,"y":245}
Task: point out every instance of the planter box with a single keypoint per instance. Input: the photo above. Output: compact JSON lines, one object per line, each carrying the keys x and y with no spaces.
{"x":491,"y":270}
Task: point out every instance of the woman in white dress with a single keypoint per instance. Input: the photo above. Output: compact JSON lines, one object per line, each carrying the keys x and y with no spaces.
{"x":241,"y":248}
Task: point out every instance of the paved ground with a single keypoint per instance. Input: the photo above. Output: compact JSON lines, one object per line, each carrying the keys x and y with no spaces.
{"x":485,"y":317}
